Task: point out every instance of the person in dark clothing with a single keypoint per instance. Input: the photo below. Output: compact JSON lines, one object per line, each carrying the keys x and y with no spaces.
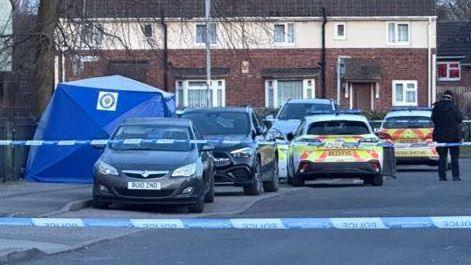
{"x":447,"y":119}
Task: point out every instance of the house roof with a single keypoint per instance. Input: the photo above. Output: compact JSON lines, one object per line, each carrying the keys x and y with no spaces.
{"x":248,"y":8}
{"x":358,"y":70}
{"x":454,"y":39}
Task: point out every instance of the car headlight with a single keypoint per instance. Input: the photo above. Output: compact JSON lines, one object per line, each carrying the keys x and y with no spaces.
{"x":185,"y":171}
{"x":242,"y":153}
{"x":106,"y":169}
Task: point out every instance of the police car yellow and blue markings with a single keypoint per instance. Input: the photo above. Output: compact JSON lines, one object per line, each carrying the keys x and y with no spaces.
{"x":337,"y":148}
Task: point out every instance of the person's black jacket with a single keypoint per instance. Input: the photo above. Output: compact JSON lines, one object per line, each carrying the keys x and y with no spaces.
{"x":447,"y":119}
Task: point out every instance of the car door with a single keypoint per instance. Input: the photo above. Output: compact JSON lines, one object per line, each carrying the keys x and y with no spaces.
{"x":266,"y":149}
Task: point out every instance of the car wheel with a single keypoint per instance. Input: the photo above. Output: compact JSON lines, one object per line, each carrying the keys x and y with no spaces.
{"x":209,"y":197}
{"x":198,"y":207}
{"x":255,"y":188}
{"x":377,"y":180}
{"x":99,"y":204}
{"x":297,"y":182}
{"x":272,"y":185}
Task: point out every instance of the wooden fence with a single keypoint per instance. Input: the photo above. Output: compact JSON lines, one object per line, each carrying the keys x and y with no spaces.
{"x":462,"y":97}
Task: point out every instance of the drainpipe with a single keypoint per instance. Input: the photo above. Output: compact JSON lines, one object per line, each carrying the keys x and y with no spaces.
{"x":165,"y":50}
{"x":429,"y":38}
{"x":323,"y":55}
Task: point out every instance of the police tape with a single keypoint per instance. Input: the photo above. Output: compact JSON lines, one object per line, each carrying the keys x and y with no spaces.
{"x":103,"y":142}
{"x":446,"y":222}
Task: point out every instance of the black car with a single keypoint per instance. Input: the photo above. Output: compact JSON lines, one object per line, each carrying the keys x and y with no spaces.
{"x":242,"y":156}
{"x":158,"y":170}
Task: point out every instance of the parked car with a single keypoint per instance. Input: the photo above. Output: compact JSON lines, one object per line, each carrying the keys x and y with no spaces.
{"x":242,"y":155}
{"x":336,"y":146}
{"x":287,"y":121}
{"x":410,"y":126}
{"x":155,"y":172}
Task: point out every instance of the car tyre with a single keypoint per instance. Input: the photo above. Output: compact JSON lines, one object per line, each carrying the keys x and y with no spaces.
{"x":255,"y":188}
{"x":198,"y":207}
{"x":99,"y":204}
{"x":209,"y":197}
{"x":297,"y":182}
{"x":377,"y":180}
{"x":272,"y":185}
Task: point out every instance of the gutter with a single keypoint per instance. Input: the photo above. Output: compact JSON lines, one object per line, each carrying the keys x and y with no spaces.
{"x":165,"y":51}
{"x":429,"y":62}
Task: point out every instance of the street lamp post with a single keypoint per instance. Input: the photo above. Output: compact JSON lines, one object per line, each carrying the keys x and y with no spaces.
{"x":208,"y":54}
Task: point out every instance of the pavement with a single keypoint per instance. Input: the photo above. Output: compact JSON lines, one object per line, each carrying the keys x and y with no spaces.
{"x":415,"y":193}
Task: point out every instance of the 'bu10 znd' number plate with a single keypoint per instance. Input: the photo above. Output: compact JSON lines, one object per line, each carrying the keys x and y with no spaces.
{"x":144,"y":186}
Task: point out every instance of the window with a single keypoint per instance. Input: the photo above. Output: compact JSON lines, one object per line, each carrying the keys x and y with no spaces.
{"x":91,"y":35}
{"x":278,"y":92}
{"x":338,"y":128}
{"x":147,"y":30}
{"x":194,"y":93}
{"x":283,"y":33}
{"x":408,"y":122}
{"x":340,"y":31}
{"x":449,"y":71}
{"x":219,"y":122}
{"x":201,"y":33}
{"x":404,"y":93}
{"x":398,"y":33}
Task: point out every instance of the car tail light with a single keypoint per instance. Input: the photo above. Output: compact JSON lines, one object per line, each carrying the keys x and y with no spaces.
{"x":429,"y":138}
{"x":384,"y":135}
{"x":375,"y":165}
{"x":303,"y":167}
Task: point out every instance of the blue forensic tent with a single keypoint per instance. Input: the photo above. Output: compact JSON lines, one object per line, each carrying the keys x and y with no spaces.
{"x":86,"y":110}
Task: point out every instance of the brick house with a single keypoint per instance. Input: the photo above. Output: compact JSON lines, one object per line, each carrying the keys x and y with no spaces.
{"x":454,"y":54}
{"x":377,"y":53}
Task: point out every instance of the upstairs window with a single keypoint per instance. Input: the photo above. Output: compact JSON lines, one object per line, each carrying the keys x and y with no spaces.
{"x":398,"y":33}
{"x":201,"y":34}
{"x":340,"y":31}
{"x":449,"y":71}
{"x":283,"y":33}
{"x":147,"y":30}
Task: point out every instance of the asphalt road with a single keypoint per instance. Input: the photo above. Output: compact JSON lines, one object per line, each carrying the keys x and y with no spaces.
{"x":416,"y":192}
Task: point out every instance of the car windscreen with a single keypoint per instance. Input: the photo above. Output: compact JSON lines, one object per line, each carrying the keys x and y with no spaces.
{"x":338,"y":128}
{"x":153,"y":132}
{"x":297,"y":111}
{"x":220,"y":123}
{"x":408,"y":122}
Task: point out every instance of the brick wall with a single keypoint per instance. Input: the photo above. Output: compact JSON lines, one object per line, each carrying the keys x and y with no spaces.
{"x":243,"y":89}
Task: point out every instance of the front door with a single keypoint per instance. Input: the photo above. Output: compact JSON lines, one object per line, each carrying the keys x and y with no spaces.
{"x":361,"y":95}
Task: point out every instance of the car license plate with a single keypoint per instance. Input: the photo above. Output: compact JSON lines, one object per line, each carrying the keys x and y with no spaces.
{"x":340,"y":153}
{"x":411,"y":153}
{"x":144,"y":186}
{"x":408,"y":141}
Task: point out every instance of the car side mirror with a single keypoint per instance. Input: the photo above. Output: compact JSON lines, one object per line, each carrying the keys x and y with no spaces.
{"x":207,"y":148}
{"x":290,"y":136}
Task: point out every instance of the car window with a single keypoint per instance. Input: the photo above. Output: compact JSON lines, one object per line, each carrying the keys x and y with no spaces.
{"x":300,"y":129}
{"x":152,"y":132}
{"x":297,"y":111}
{"x":408,"y":122}
{"x":197,"y":134}
{"x":338,"y":128}
{"x":220,"y":123}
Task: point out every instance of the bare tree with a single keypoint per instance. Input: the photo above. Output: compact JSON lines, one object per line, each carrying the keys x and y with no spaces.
{"x":459,"y":10}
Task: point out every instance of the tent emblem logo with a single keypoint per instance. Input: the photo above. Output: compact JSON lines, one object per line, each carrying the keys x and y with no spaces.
{"x":107,"y":101}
